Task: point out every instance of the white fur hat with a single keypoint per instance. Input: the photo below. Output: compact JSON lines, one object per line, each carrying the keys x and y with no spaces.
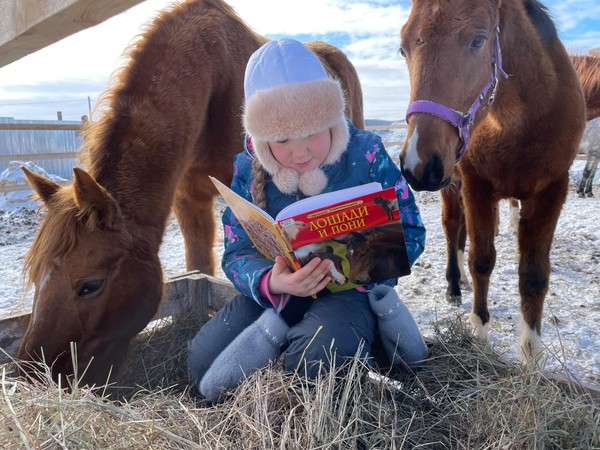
{"x":288,"y":95}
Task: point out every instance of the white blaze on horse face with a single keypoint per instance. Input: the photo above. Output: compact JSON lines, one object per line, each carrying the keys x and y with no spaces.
{"x":479,"y":329}
{"x":412,"y":159}
{"x":43,"y":283}
{"x":337,"y":276}
{"x":530,"y":344}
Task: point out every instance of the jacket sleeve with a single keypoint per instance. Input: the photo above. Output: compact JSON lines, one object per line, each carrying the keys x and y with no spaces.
{"x":242,"y":263}
{"x":384,"y":170}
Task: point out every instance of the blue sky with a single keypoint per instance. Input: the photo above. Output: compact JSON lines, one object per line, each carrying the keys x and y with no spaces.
{"x":62,"y":76}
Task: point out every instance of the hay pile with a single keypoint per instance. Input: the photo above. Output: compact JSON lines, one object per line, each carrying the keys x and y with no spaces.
{"x":467,"y":397}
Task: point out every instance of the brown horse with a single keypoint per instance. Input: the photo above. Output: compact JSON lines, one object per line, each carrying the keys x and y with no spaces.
{"x":588,"y":69}
{"x":376,"y":254}
{"x":453,"y":219}
{"x":173,"y":118}
{"x":501,"y":62}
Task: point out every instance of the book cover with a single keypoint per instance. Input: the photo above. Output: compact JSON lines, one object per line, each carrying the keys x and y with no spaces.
{"x":358,"y":229}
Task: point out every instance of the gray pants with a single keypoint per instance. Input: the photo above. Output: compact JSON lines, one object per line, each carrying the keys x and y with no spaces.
{"x":345,"y":318}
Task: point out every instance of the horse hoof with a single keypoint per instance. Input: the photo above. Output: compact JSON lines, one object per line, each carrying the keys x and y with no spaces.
{"x":590,"y":195}
{"x":454,"y":300}
{"x":465,"y":285}
{"x":581,"y":194}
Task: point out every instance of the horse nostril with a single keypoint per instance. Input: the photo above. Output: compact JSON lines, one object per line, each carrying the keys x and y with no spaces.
{"x":433,"y":173}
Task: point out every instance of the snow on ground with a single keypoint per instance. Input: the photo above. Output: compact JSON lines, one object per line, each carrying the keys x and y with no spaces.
{"x":572,"y":309}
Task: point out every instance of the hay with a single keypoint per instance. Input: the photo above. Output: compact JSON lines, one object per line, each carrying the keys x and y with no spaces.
{"x":466,"y":397}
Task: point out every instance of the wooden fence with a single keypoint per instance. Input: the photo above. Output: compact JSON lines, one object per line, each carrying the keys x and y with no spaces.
{"x":69,"y":155}
{"x":35,"y":156}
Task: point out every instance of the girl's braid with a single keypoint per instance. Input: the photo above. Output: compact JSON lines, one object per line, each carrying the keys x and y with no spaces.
{"x":258,"y":192}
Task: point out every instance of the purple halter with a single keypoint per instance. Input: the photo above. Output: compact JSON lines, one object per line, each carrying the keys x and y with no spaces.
{"x":463,"y":121}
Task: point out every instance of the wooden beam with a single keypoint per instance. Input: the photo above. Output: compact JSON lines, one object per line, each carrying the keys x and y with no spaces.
{"x":190,"y":291}
{"x":29,"y":25}
{"x":40,"y":126}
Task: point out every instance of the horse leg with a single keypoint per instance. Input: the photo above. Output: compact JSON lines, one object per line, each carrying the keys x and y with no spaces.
{"x":539,"y":215}
{"x":514,"y":215}
{"x":453,"y":223}
{"x":590,"y":179}
{"x":193,"y":207}
{"x":585,"y":177}
{"x":479,"y":207}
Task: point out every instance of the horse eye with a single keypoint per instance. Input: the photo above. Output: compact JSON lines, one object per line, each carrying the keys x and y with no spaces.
{"x":477,"y":42}
{"x":89,"y":287}
{"x":402,"y":52}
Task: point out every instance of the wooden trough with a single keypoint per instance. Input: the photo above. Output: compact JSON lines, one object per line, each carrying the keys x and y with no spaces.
{"x":189,"y":292}
{"x":201,"y":295}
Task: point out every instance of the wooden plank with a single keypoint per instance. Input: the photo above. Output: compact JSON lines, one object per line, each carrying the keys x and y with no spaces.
{"x":191,"y":290}
{"x":22,"y":187}
{"x":386,"y":127}
{"x":40,"y":126}
{"x":29,"y":25}
{"x":200,"y":292}
{"x":38,"y":156}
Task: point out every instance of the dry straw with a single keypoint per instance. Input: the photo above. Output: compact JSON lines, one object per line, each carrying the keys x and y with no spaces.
{"x":466,"y":397}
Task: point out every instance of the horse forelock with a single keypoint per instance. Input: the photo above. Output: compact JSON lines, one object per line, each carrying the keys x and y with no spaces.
{"x":60,"y":230}
{"x":56,"y":236}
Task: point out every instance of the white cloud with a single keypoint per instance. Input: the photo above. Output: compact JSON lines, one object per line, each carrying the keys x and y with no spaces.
{"x":368,"y":30}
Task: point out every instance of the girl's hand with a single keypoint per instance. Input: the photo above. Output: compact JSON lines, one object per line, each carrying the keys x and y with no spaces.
{"x":305,"y":282}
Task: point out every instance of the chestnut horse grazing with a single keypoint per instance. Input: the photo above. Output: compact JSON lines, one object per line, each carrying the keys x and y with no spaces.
{"x":494,"y":94}
{"x":173,"y":118}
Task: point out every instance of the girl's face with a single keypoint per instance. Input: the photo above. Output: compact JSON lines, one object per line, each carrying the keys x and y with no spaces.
{"x":303,"y":154}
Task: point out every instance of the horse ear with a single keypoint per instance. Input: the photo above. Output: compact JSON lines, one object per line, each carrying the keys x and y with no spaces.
{"x":42,"y":186}
{"x":359,"y":237}
{"x":93,"y":201}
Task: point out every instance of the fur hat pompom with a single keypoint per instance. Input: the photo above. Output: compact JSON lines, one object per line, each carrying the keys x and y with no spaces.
{"x":313,"y":182}
{"x":288,"y":95}
{"x":286,"y":180}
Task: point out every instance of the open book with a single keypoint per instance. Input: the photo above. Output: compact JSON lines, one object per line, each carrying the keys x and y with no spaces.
{"x":358,"y":229}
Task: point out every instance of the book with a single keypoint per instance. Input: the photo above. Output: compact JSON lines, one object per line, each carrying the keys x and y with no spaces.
{"x":357,"y":228}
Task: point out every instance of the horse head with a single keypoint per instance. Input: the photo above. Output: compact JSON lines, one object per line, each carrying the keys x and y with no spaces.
{"x":89,"y":282}
{"x":452,"y":51}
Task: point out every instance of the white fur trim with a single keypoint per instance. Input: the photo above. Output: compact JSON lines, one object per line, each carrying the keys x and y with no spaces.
{"x":295,"y":111}
{"x":292,"y":111}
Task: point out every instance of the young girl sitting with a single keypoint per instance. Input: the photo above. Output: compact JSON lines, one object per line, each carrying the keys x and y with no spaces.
{"x":299,"y":144}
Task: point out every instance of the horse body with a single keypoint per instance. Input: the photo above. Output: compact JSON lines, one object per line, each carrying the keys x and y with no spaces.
{"x":172,"y":119}
{"x":524,"y":136}
{"x":453,"y":220}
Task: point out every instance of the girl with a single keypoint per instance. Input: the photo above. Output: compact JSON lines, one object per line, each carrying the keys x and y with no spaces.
{"x":300,"y":144}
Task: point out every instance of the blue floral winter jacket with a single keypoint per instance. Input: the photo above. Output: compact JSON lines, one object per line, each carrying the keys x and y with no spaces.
{"x":365,"y":160}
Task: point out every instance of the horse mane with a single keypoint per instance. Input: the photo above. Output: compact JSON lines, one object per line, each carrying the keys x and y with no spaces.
{"x":541,"y":20}
{"x":588,"y":70}
{"x":130,"y":83}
